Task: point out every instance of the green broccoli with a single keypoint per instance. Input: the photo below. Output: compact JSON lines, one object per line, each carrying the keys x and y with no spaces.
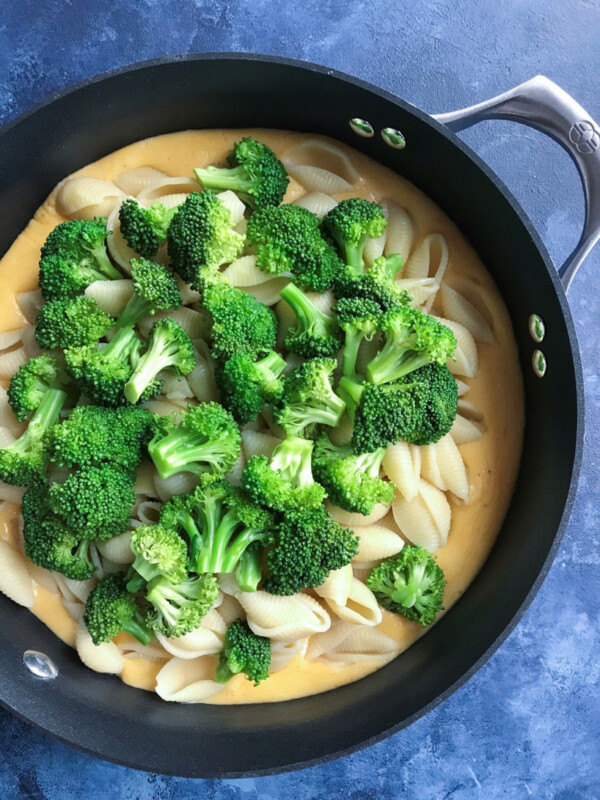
{"x":288,"y":240}
{"x":412,"y":340}
{"x":256,"y":174}
{"x":410,"y":584}
{"x":201,"y":235}
{"x":246,"y":385}
{"x":351,"y":481}
{"x":71,"y":322}
{"x":154,"y":289}
{"x":145,"y":229}
{"x":308,"y":398}
{"x":94,"y":434}
{"x":101,"y":373}
{"x":240,"y":323}
{"x":360,"y":320}
{"x":95,"y":500}
{"x":178,"y":607}
{"x":243,"y":651}
{"x":158,"y":551}
{"x":31,"y":383}
{"x":285,"y":481}
{"x":169,"y":348}
{"x":308,"y":546}
{"x":111,"y":609}
{"x":24,"y":461}
{"x":73,"y":256}
{"x":48,"y":541}
{"x":206,"y":442}
{"x":317,"y":334}
{"x":419,"y":408}
{"x":351,"y":223}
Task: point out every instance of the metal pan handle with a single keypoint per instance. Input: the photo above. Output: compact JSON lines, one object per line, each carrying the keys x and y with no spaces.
{"x":541,"y":104}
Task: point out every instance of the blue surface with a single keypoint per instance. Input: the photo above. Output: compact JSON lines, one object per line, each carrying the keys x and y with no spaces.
{"x":528,"y":724}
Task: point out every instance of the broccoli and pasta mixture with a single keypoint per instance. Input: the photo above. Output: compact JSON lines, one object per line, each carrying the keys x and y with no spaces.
{"x":226,"y":396}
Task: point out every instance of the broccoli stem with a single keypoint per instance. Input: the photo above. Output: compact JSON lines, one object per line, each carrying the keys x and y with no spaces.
{"x":352,"y":344}
{"x":216,"y":555}
{"x":104,"y":263}
{"x":392,"y":265}
{"x":271,"y":367}
{"x":248,"y":573}
{"x":221,"y":178}
{"x":394,"y":361}
{"x":138,"y":631}
{"x":156,"y":358}
{"x":45,"y":416}
{"x":223,"y":672}
{"x":121,"y":345}
{"x":133,"y":312}
{"x":306,"y":311}
{"x":351,"y":391}
{"x":181,"y":449}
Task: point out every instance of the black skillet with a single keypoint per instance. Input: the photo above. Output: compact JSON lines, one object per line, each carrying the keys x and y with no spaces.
{"x":98,"y":713}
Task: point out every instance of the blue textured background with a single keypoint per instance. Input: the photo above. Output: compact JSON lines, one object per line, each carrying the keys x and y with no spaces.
{"x":528,"y":724}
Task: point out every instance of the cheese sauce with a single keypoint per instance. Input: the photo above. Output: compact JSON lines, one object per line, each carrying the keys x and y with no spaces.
{"x":496,"y":391}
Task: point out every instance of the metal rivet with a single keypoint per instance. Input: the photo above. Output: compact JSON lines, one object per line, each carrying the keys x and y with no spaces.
{"x":393,"y":138}
{"x":537,"y":329}
{"x":362,"y":127}
{"x":40,"y":665}
{"x":538,"y":361}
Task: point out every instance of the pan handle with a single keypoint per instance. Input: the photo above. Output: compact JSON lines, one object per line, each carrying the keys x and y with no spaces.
{"x":541,"y":104}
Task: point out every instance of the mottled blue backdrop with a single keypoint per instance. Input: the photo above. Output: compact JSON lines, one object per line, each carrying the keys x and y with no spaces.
{"x":528,"y":724}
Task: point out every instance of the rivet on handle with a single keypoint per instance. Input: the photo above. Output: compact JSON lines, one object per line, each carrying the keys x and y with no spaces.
{"x":362,"y":127}
{"x":537,"y":329}
{"x":393,"y":138}
{"x":539,"y":363}
{"x":40,"y":665}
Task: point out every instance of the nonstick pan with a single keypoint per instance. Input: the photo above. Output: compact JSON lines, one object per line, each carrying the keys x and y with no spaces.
{"x":98,"y":713}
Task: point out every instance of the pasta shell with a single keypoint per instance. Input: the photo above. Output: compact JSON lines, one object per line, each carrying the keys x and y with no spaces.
{"x":325,"y":155}
{"x":74,"y":610}
{"x":425,"y":520}
{"x":164,"y":408}
{"x":85,"y":198}
{"x":316,"y":179}
{"x":326,"y":642}
{"x":364,"y":644}
{"x":10,"y":338}
{"x":268,"y":293}
{"x":360,"y":607}
{"x":352,"y":520}
{"x":465,"y":430}
{"x":171,"y":201}
{"x":15,"y":580}
{"x":148,"y":511}
{"x":243,"y":273}
{"x":228,"y":584}
{"x":6,"y":439}
{"x":7,"y":418}
{"x":420,"y":289}
{"x":30,"y":303}
{"x":234,"y":205}
{"x":195,"y":323}
{"x":144,"y":479}
{"x":442,"y":465}
{"x":80,"y":589}
{"x":316,"y":202}
{"x":180,"y":483}
{"x":165,"y":186}
{"x":29,"y":343}
{"x":230,"y":609}
{"x":283,"y":618}
{"x":377,"y":542}
{"x":361,"y":569}
{"x":205,"y":640}
{"x":117,"y":549}
{"x":400,"y":233}
{"x":188,"y":295}
{"x":44,"y":578}
{"x":463,"y":387}
{"x":116,"y":245}
{"x":234,"y":476}
{"x":283,"y":652}
{"x":465,"y":360}
{"x":176,"y":387}
{"x":105,"y":657}
{"x":202,"y":383}
{"x":402,"y":465}
{"x":469,"y":410}
{"x":130,"y":648}
{"x":133,"y":181}
{"x":187,"y":680}
{"x":459,"y":309}
{"x":111,"y":296}
{"x":337,"y":585}
{"x":257,"y":443}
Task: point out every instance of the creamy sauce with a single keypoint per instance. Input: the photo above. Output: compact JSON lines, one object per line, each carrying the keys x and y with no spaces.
{"x":492,"y":461}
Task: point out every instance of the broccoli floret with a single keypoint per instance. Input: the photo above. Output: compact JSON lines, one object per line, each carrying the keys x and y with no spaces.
{"x":206,"y":442}
{"x":154,"y":289}
{"x":201,"y":235}
{"x":73,"y":256}
{"x":30,"y":383}
{"x":49,"y":543}
{"x":170,"y":347}
{"x":410,"y":584}
{"x":244,"y":651}
{"x":246,"y":385}
{"x":412,"y":340}
{"x":102,"y":372}
{"x":360,"y":320}
{"x":351,"y":481}
{"x":288,"y":240}
{"x":240,"y":323}
{"x":24,"y":461}
{"x":158,"y":551}
{"x":94,"y":434}
{"x":96,"y":501}
{"x":317,"y":334}
{"x":286,"y":480}
{"x":308,"y":398}
{"x":419,"y":408}
{"x":376,"y":286}
{"x":111,"y":609}
{"x":308,"y":545}
{"x":145,"y":229}
{"x":178,"y":608}
{"x":256,"y":174}
{"x":71,"y":322}
{"x":351,"y":223}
